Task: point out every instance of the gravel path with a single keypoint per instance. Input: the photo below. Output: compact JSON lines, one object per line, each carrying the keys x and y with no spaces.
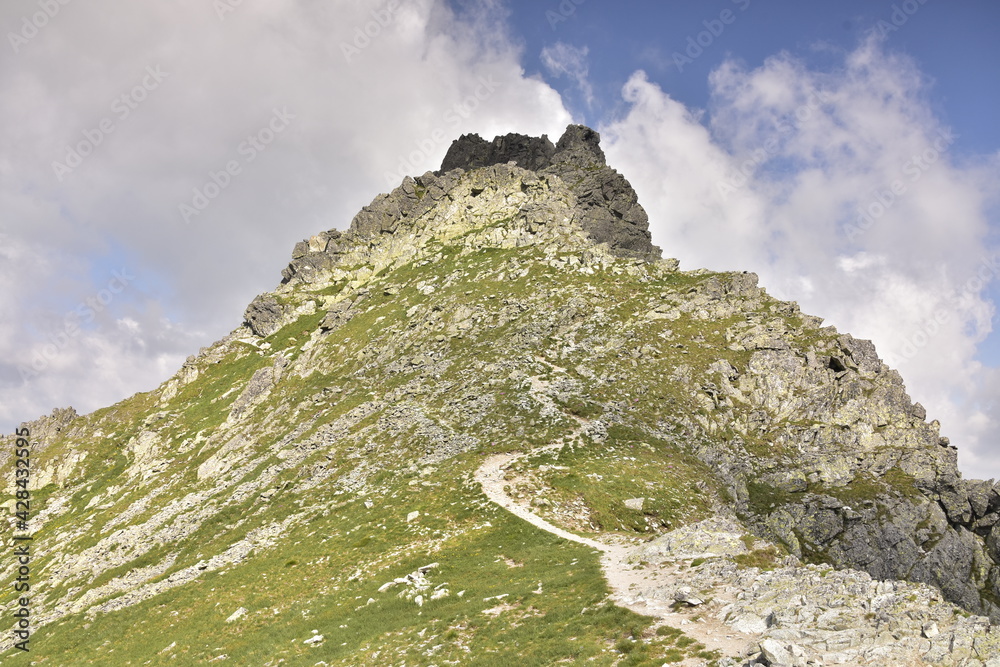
{"x":631,"y":581}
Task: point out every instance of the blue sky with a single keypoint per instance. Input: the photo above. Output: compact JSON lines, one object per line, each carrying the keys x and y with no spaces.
{"x":954,"y":44}
{"x":762,"y":153}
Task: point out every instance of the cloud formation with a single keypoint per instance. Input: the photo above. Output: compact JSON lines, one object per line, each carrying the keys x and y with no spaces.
{"x":563,"y":59}
{"x":183,"y":143}
{"x":839,"y":188}
{"x":274,"y":121}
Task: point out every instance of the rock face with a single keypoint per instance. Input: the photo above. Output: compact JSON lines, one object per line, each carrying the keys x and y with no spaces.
{"x":604,"y":204}
{"x":471,"y":151}
{"x":812,"y":614}
{"x":608,"y":207}
{"x":511,"y":301}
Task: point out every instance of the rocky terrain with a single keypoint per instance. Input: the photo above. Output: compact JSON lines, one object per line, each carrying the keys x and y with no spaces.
{"x":310,"y":489}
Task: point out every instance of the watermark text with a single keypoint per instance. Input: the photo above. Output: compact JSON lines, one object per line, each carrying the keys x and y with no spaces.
{"x":563,"y":12}
{"x":21,"y":547}
{"x":122,"y":107}
{"x":247,"y":152}
{"x":84,"y":313}
{"x":363,"y":35}
{"x":32,"y":25}
{"x":697,"y":44}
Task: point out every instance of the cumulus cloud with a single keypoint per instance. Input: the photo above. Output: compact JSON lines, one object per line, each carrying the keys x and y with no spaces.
{"x":269,"y":121}
{"x":840,"y":188}
{"x":563,"y":59}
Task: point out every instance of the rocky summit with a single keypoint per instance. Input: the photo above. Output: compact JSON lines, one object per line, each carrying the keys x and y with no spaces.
{"x":488,"y":424}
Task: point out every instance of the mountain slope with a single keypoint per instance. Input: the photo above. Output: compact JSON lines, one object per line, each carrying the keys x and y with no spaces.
{"x":328,"y":447}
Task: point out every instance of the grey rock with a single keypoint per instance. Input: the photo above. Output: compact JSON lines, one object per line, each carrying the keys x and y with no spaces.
{"x":338,"y":315}
{"x":687,"y":596}
{"x":470,"y":151}
{"x":956,"y":503}
{"x":259,"y":386}
{"x":263,"y":315}
{"x":635,"y":503}
{"x":981,"y":497}
{"x":749,"y":624}
{"x":775,"y":654}
{"x":609,"y":210}
{"x":301,"y":250}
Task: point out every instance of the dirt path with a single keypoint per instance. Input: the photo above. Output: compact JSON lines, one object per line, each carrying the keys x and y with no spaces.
{"x":634,"y":584}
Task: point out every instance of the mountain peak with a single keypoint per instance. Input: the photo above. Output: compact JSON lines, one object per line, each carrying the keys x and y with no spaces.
{"x":579,"y":147}
{"x":597,"y":199}
{"x":609,"y":208}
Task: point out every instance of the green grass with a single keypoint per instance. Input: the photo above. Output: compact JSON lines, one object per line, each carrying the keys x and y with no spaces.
{"x":627,"y":465}
{"x":313,"y":584}
{"x":365,"y":426}
{"x":768,"y":558}
{"x":764,"y":498}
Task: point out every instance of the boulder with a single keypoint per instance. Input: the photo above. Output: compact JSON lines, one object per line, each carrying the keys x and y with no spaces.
{"x":775,"y":654}
{"x":263,"y":315}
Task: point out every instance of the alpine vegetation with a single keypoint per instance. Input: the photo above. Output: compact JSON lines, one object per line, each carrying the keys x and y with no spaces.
{"x":488,"y":424}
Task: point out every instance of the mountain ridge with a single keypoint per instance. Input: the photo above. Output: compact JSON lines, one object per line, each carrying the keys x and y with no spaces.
{"x":509,"y":301}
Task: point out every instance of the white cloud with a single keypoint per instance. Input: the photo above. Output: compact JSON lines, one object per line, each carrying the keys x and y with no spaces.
{"x":777,"y":176}
{"x":840,"y":189}
{"x":369,"y":94}
{"x":564,"y":59}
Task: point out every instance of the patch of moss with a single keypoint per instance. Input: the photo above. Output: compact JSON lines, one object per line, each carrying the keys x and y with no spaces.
{"x":764,"y":498}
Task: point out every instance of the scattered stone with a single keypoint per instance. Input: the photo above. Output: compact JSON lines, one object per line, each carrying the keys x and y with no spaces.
{"x":237,"y":615}
{"x":635,"y":503}
{"x":686,"y":595}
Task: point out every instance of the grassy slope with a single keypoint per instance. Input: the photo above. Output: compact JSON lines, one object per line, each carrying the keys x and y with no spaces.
{"x":323,"y":572}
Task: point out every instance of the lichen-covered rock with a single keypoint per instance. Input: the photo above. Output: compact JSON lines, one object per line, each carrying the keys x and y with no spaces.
{"x":797,"y":614}
{"x":263,"y":315}
{"x":260,"y":385}
{"x":608,"y":208}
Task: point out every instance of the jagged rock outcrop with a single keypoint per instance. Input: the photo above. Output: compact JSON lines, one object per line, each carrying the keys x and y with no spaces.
{"x":609,"y":208}
{"x":864,"y":482}
{"x":605,"y":205}
{"x":472,"y":152}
